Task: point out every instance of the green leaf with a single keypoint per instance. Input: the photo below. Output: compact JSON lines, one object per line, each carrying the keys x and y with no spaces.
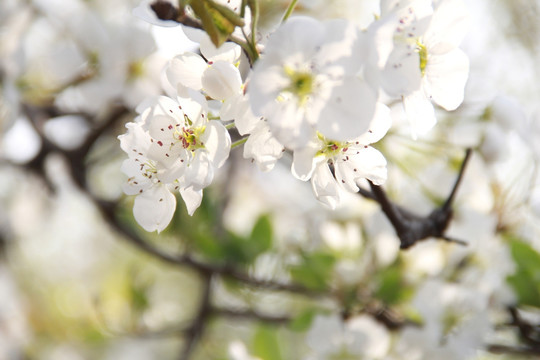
{"x":526,"y":280}
{"x":246,"y":249}
{"x":315,"y":271}
{"x":392,"y":289}
{"x":266,"y":344}
{"x":217,"y":20}
{"x":261,"y":235}
{"x":303,"y":321}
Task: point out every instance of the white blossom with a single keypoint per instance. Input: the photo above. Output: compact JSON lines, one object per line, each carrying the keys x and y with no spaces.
{"x":307,"y":81}
{"x":426,"y":64}
{"x":350,"y":160}
{"x":154,"y":205}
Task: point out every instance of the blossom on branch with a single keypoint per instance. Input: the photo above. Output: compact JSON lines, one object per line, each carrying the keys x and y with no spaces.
{"x":309,"y":80}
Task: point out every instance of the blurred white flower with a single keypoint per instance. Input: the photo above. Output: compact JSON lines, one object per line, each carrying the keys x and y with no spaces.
{"x":426,"y":63}
{"x":455,"y":323}
{"x":362,"y":336}
{"x":237,"y":351}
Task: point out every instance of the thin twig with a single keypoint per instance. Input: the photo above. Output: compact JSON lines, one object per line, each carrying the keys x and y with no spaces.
{"x":252,"y":315}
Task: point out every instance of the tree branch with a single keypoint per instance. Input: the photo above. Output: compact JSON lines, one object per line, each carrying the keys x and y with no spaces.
{"x":251,"y":315}
{"x":195,"y":331}
{"x":411,"y":228}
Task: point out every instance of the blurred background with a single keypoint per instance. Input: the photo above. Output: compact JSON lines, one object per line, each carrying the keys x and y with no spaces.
{"x":261,"y":270}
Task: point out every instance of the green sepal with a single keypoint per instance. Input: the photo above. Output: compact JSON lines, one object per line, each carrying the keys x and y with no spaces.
{"x":217,"y":20}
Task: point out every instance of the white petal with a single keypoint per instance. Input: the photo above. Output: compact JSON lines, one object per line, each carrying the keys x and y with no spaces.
{"x":343,"y":46}
{"x":237,"y":108}
{"x":304,"y":161}
{"x":379,"y":126}
{"x":164,"y":105}
{"x":417,"y":8}
{"x":266,"y":83}
{"x":348,"y":112}
{"x":299,"y":38}
{"x":192,"y":198}
{"x":154,"y":208}
{"x":194,"y":107}
{"x":136,"y":181}
{"x":187,"y":70}
{"x":263,"y":147}
{"x":221,"y":80}
{"x":419,"y":112}
{"x":402,"y":74}
{"x":162,"y":128}
{"x":447,"y":75}
{"x":346,"y":172}
{"x":289,"y":124}
{"x":449,"y":24}
{"x":199,"y":173}
{"x":217,"y":142}
{"x":325,"y":186}
{"x":168,"y":158}
{"x":367,"y":163}
{"x":136,"y":141}
{"x":228,"y":51}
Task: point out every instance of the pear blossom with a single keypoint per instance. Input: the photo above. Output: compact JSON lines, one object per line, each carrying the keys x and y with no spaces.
{"x":171,"y":146}
{"x":308,"y":81}
{"x":120,"y":63}
{"x":332,"y":164}
{"x":426,"y":64}
{"x":154,"y":205}
{"x":189,"y":145}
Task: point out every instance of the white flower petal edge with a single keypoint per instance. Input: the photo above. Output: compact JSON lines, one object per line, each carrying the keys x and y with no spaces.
{"x":221,"y":80}
{"x":324,"y":186}
{"x":153,"y":209}
{"x":185,"y":71}
{"x":263,"y":147}
{"x":192,"y":198}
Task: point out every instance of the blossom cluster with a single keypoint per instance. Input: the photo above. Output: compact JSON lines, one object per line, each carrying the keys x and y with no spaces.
{"x":319,"y":90}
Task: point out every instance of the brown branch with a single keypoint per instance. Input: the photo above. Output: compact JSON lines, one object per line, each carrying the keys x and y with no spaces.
{"x":108,"y":210}
{"x":513,"y":350}
{"x":195,"y":331}
{"x":252,"y":315}
{"x":411,"y":228}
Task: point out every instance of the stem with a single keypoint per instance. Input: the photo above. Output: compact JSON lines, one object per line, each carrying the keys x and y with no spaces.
{"x":254,"y":6}
{"x":289,"y":10}
{"x":452,"y":195}
{"x":239,"y":142}
{"x":252,"y":54}
{"x":230,"y":126}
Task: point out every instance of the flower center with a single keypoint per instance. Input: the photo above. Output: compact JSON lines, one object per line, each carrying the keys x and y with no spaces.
{"x":423,"y":54}
{"x":331,"y":148}
{"x":301,"y":84}
{"x":189,"y":137}
{"x":148,"y":170}
{"x":135,"y":70}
